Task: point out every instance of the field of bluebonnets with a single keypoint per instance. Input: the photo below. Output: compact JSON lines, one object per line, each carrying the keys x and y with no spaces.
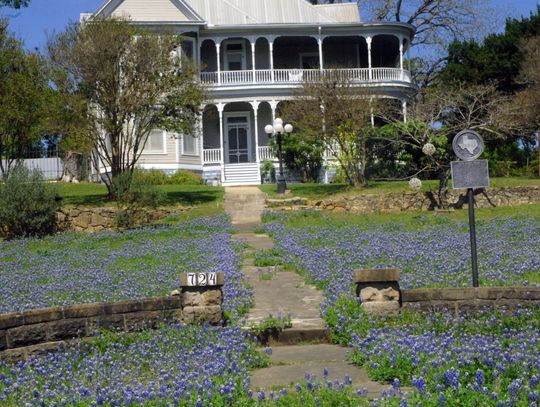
{"x":482,"y":358}
{"x":73,"y":268}
{"x":488,"y":358}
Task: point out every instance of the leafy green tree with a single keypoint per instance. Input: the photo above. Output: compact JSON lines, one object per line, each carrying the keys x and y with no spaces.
{"x":131,"y":84}
{"x":24,"y":97}
{"x":14,"y":3}
{"x":497,"y":59}
{"x":303,"y":157}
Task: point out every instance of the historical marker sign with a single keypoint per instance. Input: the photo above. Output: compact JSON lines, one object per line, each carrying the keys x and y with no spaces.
{"x":470,"y":174}
{"x":468,"y":145}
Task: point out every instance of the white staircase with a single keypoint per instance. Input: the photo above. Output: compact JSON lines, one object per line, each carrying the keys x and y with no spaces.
{"x":242,"y":174}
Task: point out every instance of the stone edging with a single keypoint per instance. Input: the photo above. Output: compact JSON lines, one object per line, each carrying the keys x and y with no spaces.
{"x":88,"y":219}
{"x":23,"y":334}
{"x":462,"y":299}
{"x":410,"y":201}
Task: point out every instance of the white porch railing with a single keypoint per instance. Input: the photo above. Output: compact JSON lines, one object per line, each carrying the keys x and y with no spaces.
{"x":266,"y":153}
{"x":298,"y":76}
{"x":212,"y":156}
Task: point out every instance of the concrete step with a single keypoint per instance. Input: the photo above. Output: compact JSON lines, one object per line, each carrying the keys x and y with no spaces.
{"x":289,"y":365}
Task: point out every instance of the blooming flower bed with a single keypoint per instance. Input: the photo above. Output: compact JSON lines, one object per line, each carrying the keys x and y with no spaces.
{"x":78,"y":268}
{"x":487,"y":358}
{"x":180,"y":365}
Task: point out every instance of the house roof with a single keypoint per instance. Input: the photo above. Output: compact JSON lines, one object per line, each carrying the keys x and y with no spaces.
{"x":231,"y":12}
{"x":150,"y":11}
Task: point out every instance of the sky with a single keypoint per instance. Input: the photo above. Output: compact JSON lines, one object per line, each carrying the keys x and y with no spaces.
{"x":32,"y":24}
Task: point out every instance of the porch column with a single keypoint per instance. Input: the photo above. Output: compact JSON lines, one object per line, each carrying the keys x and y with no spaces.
{"x":372,"y":115}
{"x":368,"y":42}
{"x":401,"y":57}
{"x":404,"y":109}
{"x":253,"y":58}
{"x":409,"y":58}
{"x":321,"y":61}
{"x":271,"y":48}
{"x":218,"y":46}
{"x":255,"y":106}
{"x":221,"y":107}
{"x":273,"y":106}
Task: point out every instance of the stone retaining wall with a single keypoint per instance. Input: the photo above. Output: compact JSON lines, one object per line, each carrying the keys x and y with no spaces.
{"x":96,"y":219}
{"x":24,"y":334}
{"x":464,"y":299}
{"x":395,"y":202}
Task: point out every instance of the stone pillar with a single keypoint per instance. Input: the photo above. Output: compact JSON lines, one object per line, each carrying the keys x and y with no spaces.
{"x":370,"y":72}
{"x":202,"y":297}
{"x":221,"y":107}
{"x":378,"y":290}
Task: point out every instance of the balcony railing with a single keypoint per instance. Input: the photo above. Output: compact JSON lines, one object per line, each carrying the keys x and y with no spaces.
{"x":212,"y":156}
{"x":266,"y":153}
{"x":298,"y":76}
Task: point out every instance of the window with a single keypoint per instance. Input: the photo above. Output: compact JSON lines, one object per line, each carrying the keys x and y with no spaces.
{"x":188,"y":48}
{"x":189,"y":144}
{"x":155,"y":144}
{"x":235,"y":55}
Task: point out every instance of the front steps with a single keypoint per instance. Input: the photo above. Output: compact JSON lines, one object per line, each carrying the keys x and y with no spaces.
{"x":242,"y":174}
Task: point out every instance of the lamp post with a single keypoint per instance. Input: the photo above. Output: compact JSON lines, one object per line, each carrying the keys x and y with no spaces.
{"x":277,"y":129}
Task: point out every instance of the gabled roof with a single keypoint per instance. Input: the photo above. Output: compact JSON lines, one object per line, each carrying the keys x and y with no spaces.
{"x":230,"y":12}
{"x":150,"y":10}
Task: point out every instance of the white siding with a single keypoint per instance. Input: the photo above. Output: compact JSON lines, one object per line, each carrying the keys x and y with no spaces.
{"x":144,"y":10}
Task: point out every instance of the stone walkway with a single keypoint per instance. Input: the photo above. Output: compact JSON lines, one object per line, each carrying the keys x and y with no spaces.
{"x":279,"y":292}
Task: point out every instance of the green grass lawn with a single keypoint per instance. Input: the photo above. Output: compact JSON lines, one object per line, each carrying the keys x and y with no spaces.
{"x":88,"y":194}
{"x":322,"y":191}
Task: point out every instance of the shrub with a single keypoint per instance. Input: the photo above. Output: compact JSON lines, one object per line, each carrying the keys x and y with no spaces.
{"x":134,"y":192}
{"x":28,"y":204}
{"x":268,"y":171}
{"x":151,"y":177}
{"x":183,"y":177}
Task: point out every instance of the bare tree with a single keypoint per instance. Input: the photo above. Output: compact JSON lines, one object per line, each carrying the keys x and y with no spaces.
{"x":437,"y":22}
{"x":132,"y":83}
{"x":334,"y":110}
{"x":438,"y":114}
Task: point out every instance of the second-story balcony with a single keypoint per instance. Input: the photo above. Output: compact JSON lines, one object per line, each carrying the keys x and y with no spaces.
{"x":299,"y":76}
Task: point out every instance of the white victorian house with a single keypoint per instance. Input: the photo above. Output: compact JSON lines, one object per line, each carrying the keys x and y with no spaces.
{"x":253,"y":55}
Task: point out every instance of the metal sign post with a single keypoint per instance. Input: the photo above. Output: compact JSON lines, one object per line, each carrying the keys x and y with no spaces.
{"x":469,"y":174}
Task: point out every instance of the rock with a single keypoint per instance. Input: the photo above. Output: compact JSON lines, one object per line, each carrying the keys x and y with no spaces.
{"x":175,"y":292}
{"x":212,"y":297}
{"x":381,"y":307}
{"x":192,"y":299}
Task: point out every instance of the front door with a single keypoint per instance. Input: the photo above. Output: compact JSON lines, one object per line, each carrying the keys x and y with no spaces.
{"x":238,"y":139}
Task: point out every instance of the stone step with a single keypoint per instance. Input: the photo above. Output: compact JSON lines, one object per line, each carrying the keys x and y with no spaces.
{"x":289,"y":365}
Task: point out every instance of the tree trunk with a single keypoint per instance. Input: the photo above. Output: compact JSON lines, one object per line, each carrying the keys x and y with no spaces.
{"x":72,"y":167}
{"x":444,"y":176}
